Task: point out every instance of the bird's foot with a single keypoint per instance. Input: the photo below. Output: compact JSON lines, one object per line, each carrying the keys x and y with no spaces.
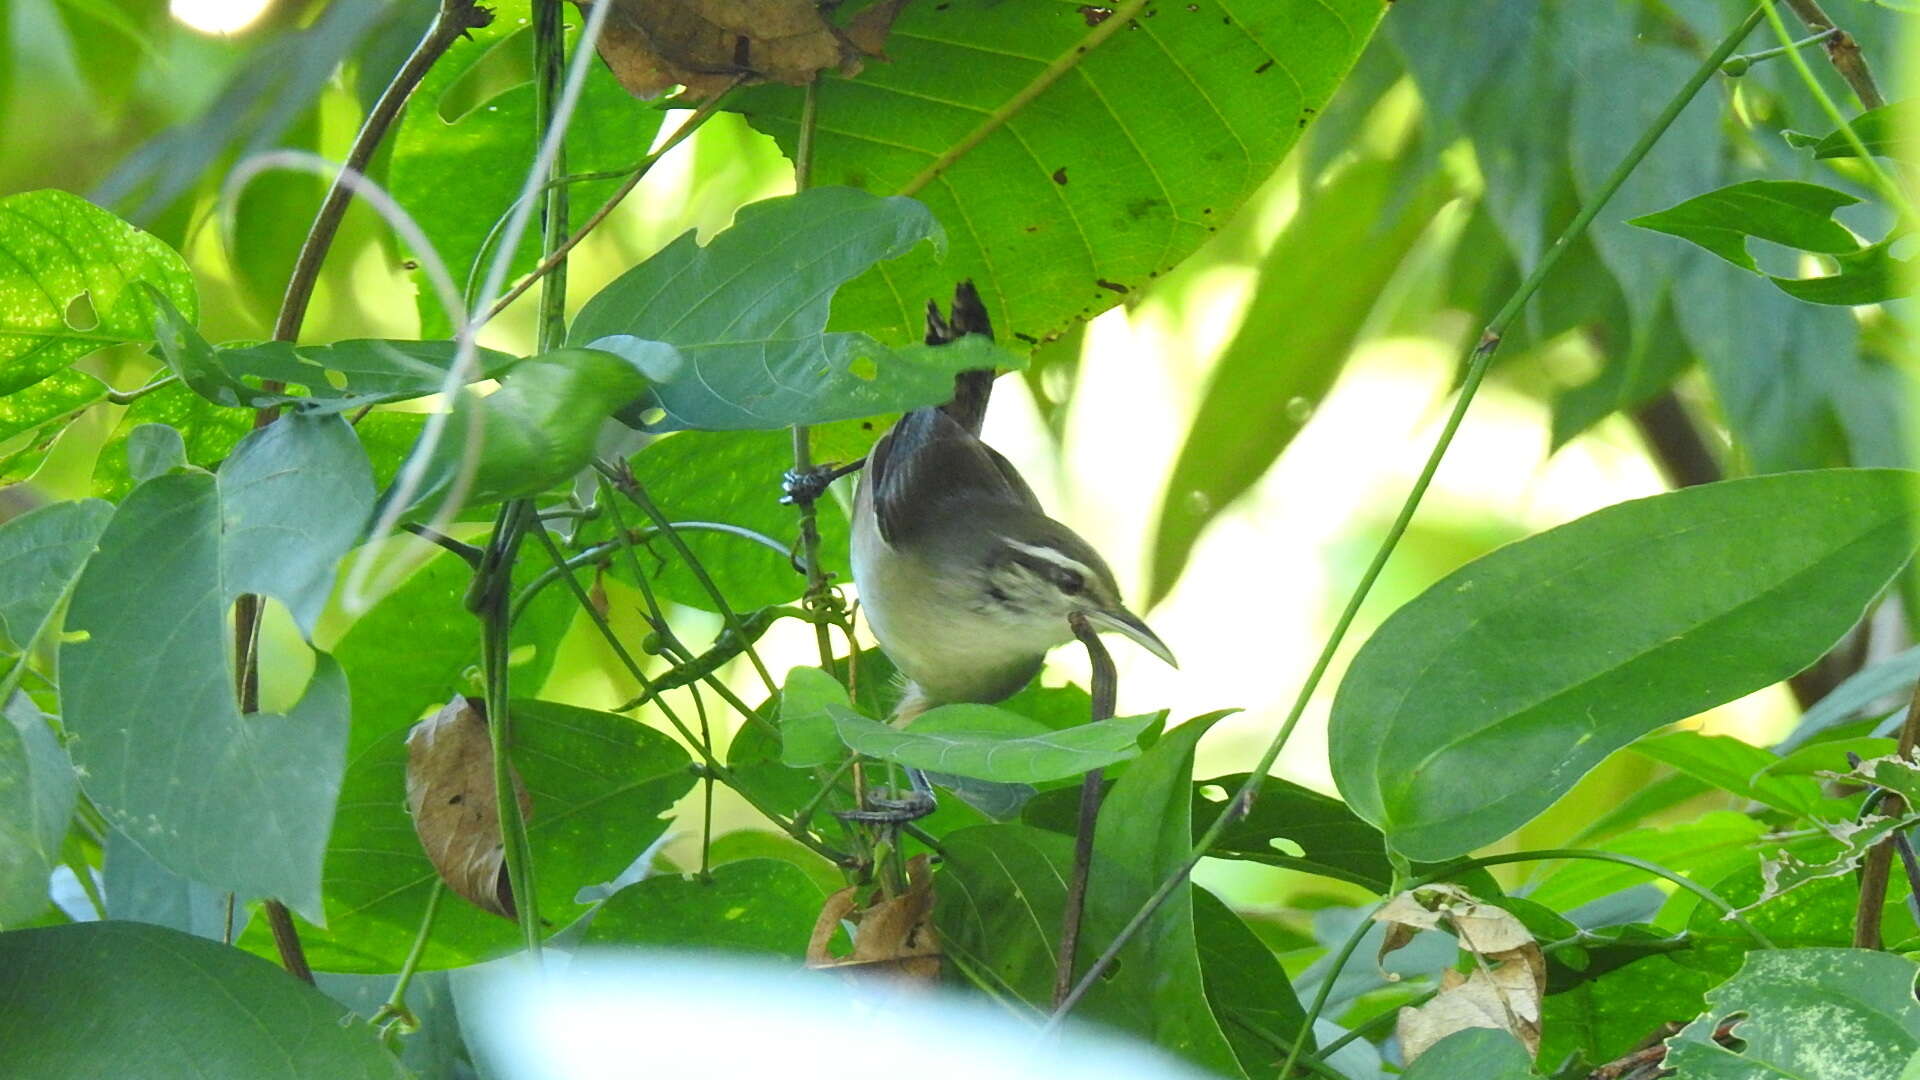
{"x":886,"y":807}
{"x":800,"y":487}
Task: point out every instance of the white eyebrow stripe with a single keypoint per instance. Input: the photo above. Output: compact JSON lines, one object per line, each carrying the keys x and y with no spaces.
{"x":1052,"y":556}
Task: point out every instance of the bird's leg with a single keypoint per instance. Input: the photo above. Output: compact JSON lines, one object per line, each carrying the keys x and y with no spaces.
{"x":886,"y":810}
{"x":803,"y":486}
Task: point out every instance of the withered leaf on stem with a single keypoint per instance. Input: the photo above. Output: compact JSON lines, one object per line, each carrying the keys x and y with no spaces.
{"x":891,"y":937}
{"x":1502,"y":990}
{"x":450,"y":796}
{"x":653,"y":45}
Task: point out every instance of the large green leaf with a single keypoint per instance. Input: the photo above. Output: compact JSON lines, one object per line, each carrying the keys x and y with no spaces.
{"x":1601,"y":1019}
{"x":210,"y":432}
{"x":1331,"y":840}
{"x":1707,"y":848}
{"x":746,"y":314}
{"x":147,"y":688}
{"x":1107,"y":177}
{"x":101,"y":999}
{"x":71,"y":282}
{"x":807,"y":732}
{"x":1684,"y":601}
{"x":1809,"y":1014}
{"x":61,"y":394}
{"x":469,"y":128}
{"x":41,"y":555}
{"x":535,"y":431}
{"x":988,"y":743}
{"x":1732,"y":765}
{"x":135,"y":888}
{"x":764,"y":906}
{"x":37,"y":787}
{"x":731,"y":477}
{"x":1246,"y":986}
{"x":1291,"y":344}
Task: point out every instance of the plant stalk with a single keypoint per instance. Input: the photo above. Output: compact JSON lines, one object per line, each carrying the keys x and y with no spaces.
{"x":1104,"y":692}
{"x":1877,"y":869}
{"x":1476,"y":368}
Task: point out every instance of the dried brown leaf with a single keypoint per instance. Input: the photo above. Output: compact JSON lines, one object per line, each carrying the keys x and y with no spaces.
{"x":451,"y":798}
{"x":893,"y":937}
{"x":704,"y":45}
{"x":1502,"y":990}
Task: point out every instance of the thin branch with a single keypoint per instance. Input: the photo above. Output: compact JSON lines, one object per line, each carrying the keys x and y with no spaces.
{"x":1104,"y":680}
{"x":395,"y":1008}
{"x":1842,"y":51}
{"x":1737,"y":66}
{"x":639,"y":173}
{"x":489,"y":600}
{"x":1476,"y":368}
{"x":1877,"y":868}
{"x":550,"y":68}
{"x":449,"y":25}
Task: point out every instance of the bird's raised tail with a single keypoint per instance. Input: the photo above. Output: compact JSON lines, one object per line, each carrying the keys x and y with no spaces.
{"x":970,"y":388}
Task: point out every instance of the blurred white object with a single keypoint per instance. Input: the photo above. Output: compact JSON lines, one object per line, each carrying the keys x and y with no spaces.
{"x":668,"y":1015}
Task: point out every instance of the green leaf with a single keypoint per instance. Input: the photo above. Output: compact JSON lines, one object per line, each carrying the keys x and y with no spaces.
{"x":1331,"y":839}
{"x":1707,"y":848}
{"x":59,"y":249}
{"x":473,"y":112}
{"x":763,"y":906}
{"x":180,"y":1006}
{"x":37,"y":789}
{"x":1106,"y":178}
{"x":731,"y":477}
{"x":600,"y":785}
{"x":340,"y":377}
{"x":1789,"y":212}
{"x":743,"y":319}
{"x":1605,"y":1018}
{"x":1798,"y":215}
{"x":1246,"y":986}
{"x":1000,"y":898}
{"x":239,"y":802}
{"x":1811,"y":1014}
{"x":154,"y":450}
{"x":60,"y":395}
{"x":1686,"y":600}
{"x":1254,"y":406}
{"x":41,"y":555}
{"x":1482,"y":1053}
{"x":210,"y":432}
{"x":989,"y":743}
{"x":1143,"y":836}
{"x":1885,"y":132}
{"x":136,"y":888}
{"x":807,"y":733}
{"x":1732,"y":765}
{"x":1849,"y":699}
{"x":536,"y":430}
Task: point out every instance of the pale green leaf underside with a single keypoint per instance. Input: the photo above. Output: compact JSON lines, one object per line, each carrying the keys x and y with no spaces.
{"x":986,"y":743}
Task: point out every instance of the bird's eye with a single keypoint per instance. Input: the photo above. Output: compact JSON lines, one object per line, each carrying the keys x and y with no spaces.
{"x":1069,"y":582}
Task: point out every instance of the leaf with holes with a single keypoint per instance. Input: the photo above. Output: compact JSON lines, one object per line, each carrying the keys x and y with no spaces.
{"x":746,"y":315}
{"x":1073,"y":154}
{"x":75,"y":282}
{"x":240,"y":802}
{"x":987,"y":743}
{"x":1813,"y":1014}
{"x":1683,"y":601}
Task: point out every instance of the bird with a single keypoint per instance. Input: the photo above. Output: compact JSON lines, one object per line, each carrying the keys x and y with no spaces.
{"x":963,"y":578}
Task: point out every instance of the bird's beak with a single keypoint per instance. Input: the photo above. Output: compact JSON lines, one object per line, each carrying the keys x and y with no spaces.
{"x":1124,"y":622}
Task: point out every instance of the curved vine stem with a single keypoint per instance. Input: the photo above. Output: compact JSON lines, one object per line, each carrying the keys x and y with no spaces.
{"x":1476,"y":369}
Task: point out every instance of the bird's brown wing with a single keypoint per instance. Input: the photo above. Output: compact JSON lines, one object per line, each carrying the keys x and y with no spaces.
{"x":929,"y":459}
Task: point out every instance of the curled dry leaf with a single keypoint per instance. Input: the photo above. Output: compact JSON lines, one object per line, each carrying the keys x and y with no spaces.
{"x":891,"y":937}
{"x":1502,"y":990}
{"x":450,"y":796}
{"x":654,"y":45}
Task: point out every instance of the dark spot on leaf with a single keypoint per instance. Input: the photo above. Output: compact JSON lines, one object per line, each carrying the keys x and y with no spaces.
{"x":1153,"y":273}
{"x":1308,"y":109}
{"x":1060,"y":175}
{"x":410,"y":264}
{"x":1193,"y":7}
{"x":1140,"y":208}
{"x":1112,"y":286}
{"x":1095,"y":15}
{"x":941,"y":7}
{"x":1151,"y":12}
{"x":866,"y":425}
{"x":856,"y":180}
{"x":1262,"y":69}
{"x":455,"y":801}
{"x":1206,"y":209}
{"x":1301,"y":123}
{"x":1033,"y":228}
{"x":1028,"y":338}
{"x":1226,"y":20}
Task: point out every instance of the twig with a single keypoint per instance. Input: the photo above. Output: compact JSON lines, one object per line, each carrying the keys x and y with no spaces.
{"x":1476,"y":368}
{"x":395,"y":1007}
{"x":488,"y":599}
{"x":1737,"y":66}
{"x":639,"y":173}
{"x":1104,"y":681}
{"x":1877,"y":868}
{"x":1842,"y":51}
{"x":467,"y":553}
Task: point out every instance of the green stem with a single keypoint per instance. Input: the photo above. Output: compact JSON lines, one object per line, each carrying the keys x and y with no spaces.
{"x":1897,"y":199}
{"x":1477,"y":360}
{"x":550,"y":68}
{"x":491,"y":585}
{"x":711,"y":763}
{"x":817,"y":585}
{"x":396,"y":1003}
{"x":1737,"y":66}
